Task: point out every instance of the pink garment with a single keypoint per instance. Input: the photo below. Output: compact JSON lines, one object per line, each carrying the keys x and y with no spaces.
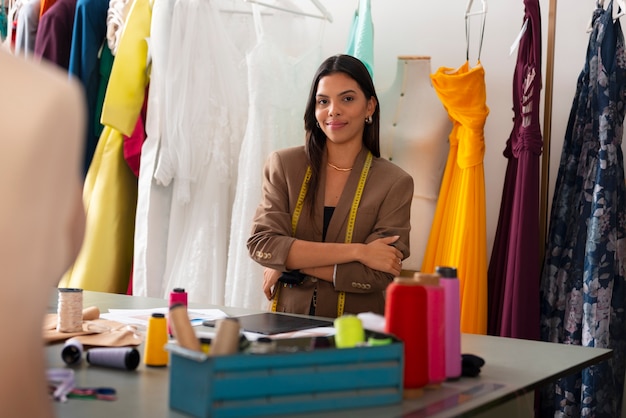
{"x":134,"y":142}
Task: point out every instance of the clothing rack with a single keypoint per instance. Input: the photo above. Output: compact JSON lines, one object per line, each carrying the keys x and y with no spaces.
{"x":547,"y":130}
{"x":325,"y":14}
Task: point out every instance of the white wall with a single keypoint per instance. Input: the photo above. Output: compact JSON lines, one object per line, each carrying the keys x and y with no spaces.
{"x":437,"y":29}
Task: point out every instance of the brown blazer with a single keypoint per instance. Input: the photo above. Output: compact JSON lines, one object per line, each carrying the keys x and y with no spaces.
{"x":384,"y":210}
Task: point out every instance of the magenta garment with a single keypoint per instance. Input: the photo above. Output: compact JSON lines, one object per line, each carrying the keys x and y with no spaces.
{"x":514,"y":268}
{"x":134,"y":142}
{"x":54,"y":34}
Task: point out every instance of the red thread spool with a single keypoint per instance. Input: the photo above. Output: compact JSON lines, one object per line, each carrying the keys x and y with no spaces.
{"x":178,"y":295}
{"x":405,"y":317}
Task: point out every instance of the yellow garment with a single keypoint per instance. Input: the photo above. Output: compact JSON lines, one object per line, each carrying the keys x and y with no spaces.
{"x":129,"y":75}
{"x":110,"y":197}
{"x":110,"y":191}
{"x":458,"y":237}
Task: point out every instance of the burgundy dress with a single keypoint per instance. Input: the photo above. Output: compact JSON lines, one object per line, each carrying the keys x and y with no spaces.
{"x":514,"y":269}
{"x":54,"y":34}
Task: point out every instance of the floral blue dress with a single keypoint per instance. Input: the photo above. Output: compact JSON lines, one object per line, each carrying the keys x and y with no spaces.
{"x":582,"y":283}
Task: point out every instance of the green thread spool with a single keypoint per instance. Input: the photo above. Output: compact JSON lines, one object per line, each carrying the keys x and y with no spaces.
{"x":349,"y":331}
{"x":374,"y":342}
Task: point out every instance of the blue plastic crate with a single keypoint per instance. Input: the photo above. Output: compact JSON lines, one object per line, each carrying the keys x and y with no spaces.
{"x":285,"y":383}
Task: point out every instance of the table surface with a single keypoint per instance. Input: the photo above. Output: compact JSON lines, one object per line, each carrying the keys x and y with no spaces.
{"x":512,"y":367}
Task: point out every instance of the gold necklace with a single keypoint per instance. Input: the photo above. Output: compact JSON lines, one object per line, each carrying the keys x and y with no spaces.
{"x":339,"y":168}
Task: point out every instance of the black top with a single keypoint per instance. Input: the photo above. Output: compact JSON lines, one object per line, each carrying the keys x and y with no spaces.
{"x":328,"y":213}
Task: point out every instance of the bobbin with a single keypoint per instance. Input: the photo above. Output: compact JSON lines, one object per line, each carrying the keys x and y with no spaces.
{"x":156,"y":337}
{"x":70,"y":310}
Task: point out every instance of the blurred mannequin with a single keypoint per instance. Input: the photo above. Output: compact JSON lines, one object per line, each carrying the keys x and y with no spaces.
{"x":414,"y":129}
{"x":41,"y":218}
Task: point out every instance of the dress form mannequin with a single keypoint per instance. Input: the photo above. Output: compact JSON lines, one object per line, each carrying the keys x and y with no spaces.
{"x":414,"y":135}
{"x":41,"y":218}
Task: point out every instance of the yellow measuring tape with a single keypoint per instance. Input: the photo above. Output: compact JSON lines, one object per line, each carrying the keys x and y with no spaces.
{"x":341,"y":302}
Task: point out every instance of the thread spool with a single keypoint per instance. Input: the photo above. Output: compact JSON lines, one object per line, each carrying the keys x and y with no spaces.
{"x":72,"y":352}
{"x":177,"y":296}
{"x":205,"y":345}
{"x":378,"y":341}
{"x":452,"y":307}
{"x":435,"y":326}
{"x":154,"y":353}
{"x":182,"y":329}
{"x":349,"y":331}
{"x":226,"y":339}
{"x":405,"y":317}
{"x":125,"y":358}
{"x":70,"y":310}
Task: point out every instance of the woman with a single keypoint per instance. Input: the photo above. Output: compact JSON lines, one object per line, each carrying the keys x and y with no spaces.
{"x":333,"y":224}
{"x":42,"y":218}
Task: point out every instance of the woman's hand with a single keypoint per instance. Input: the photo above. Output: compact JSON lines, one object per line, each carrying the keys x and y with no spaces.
{"x":270,"y":278}
{"x":381,"y":255}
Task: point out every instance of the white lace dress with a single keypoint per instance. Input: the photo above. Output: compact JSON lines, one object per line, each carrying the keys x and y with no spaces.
{"x":153,"y":200}
{"x":204,"y":108}
{"x":279,"y":84}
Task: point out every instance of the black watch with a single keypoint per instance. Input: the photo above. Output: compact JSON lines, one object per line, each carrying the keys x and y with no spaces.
{"x":293,"y":277}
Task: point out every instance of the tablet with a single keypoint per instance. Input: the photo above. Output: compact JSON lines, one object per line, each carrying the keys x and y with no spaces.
{"x":269,"y":323}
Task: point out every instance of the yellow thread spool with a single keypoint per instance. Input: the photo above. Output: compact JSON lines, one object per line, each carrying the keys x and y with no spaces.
{"x":154,"y":353}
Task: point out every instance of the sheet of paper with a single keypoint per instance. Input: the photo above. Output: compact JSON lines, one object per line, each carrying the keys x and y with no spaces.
{"x":142,"y":316}
{"x":204,"y":332}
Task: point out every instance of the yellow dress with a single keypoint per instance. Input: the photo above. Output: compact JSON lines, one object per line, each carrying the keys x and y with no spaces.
{"x":458,"y":237}
{"x":104,"y":263}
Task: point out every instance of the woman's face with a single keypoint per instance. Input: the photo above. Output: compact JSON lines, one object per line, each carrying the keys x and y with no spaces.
{"x":341,"y":108}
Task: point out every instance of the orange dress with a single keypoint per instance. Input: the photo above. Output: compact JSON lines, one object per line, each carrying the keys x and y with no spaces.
{"x":458,"y":237}
{"x":44,"y":6}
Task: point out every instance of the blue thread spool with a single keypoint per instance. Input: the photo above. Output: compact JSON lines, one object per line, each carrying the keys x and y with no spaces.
{"x":116,"y":357}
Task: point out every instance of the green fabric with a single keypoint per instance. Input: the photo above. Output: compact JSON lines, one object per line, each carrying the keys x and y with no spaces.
{"x":361,"y":38}
{"x":3,"y":21}
{"x":106,"y":63}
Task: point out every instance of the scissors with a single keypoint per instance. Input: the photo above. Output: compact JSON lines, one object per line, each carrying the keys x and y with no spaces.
{"x":103,"y":394}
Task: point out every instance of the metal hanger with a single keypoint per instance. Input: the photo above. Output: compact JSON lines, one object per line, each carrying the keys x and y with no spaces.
{"x":619,"y":10}
{"x":469,"y":13}
{"x":325,"y":14}
{"x":468,"y":9}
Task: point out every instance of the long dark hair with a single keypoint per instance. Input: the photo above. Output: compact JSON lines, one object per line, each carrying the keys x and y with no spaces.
{"x":315,"y":138}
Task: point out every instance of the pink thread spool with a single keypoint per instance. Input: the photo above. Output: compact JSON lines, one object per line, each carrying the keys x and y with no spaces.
{"x":450,"y":283}
{"x":435,"y":326}
{"x":177,"y":296}
{"x":405,"y":317}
